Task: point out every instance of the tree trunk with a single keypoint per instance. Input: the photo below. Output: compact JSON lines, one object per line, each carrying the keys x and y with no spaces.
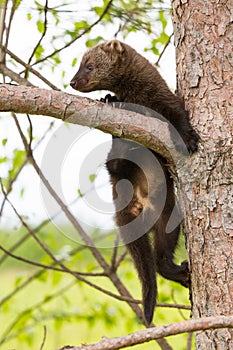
{"x":204,"y":39}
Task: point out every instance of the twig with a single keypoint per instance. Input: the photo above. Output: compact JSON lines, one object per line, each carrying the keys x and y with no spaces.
{"x":44,"y":338}
{"x":114,"y":254}
{"x":29,"y":68}
{"x":10,"y":22}
{"x":37,"y":274}
{"x":69,"y":215}
{"x":79,"y":36}
{"x":14,"y":76}
{"x":50,"y":267}
{"x":158,"y":332}
{"x":180,"y":311}
{"x":12,"y":180}
{"x":164,"y":49}
{"x":189,"y":341}
{"x":42,"y":36}
{"x":3,"y":9}
{"x":76,"y":275}
{"x":37,"y":305}
{"x":121,"y":258}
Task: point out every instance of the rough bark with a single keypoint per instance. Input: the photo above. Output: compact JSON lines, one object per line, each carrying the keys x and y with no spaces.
{"x":151,"y":132}
{"x":156,"y":333}
{"x":204,"y":37}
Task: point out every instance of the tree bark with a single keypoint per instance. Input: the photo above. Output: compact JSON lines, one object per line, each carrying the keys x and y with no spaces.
{"x":149,"y":131}
{"x":149,"y":334}
{"x":203,"y":38}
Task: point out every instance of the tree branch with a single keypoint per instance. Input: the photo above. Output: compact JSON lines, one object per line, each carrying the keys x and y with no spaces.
{"x":28,"y":67}
{"x":151,"y":132}
{"x":158,"y":332}
{"x":14,"y":76}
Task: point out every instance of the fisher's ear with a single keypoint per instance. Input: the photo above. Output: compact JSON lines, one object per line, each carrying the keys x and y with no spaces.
{"x":115,"y":49}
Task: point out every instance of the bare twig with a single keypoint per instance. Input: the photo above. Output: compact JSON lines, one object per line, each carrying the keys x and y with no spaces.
{"x":189,"y":341}
{"x":38,"y":273}
{"x":29,"y":68}
{"x":14,"y":76}
{"x":44,"y":338}
{"x":3,"y":9}
{"x":114,"y":254}
{"x":158,"y":332}
{"x":121,"y":258}
{"x":19,"y":316}
{"x":105,"y":11}
{"x":42,"y":35}
{"x":76,"y":274}
{"x":13,"y":8}
{"x":164,"y":49}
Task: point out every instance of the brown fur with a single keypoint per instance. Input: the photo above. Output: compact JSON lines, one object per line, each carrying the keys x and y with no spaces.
{"x":117,"y":67}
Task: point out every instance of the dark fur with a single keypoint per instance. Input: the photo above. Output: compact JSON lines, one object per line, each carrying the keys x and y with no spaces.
{"x":117,"y":67}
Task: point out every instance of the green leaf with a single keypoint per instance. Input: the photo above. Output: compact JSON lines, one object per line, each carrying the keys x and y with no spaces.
{"x":17,"y":3}
{"x":163,"y":19}
{"x":92,"y":42}
{"x":40,"y":26}
{"x":22,"y":192}
{"x":6,"y":183}
{"x":81,"y":25}
{"x":98,"y":10}
{"x":39,"y":52}
{"x":79,"y":192}
{"x":74,"y":62}
{"x":3,"y":159}
{"x":92,"y":177}
{"x":17,"y":161}
{"x":4,"y":141}
{"x":39,"y":6}
{"x":29,"y":16}
{"x":56,"y":59}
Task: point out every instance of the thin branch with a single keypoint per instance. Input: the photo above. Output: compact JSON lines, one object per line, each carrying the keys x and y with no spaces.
{"x":14,"y":76}
{"x":37,"y":305}
{"x":105,"y":11}
{"x":12,"y":180}
{"x":121,"y":258}
{"x":114,"y":253}
{"x":30,"y":132}
{"x":42,"y":35}
{"x":13,"y":8}
{"x":65,"y":209}
{"x":3,"y":9}
{"x":29,"y":68}
{"x":38,"y":273}
{"x":164,"y":49}
{"x":44,"y":338}
{"x":50,"y":267}
{"x":76,"y":274}
{"x":158,"y":332}
{"x":180,"y":311}
{"x":189,"y":341}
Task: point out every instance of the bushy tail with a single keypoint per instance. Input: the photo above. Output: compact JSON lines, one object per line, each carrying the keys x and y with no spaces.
{"x":142,"y":255}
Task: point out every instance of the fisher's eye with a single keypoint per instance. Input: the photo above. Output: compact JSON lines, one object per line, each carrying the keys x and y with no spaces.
{"x":90,"y":67}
